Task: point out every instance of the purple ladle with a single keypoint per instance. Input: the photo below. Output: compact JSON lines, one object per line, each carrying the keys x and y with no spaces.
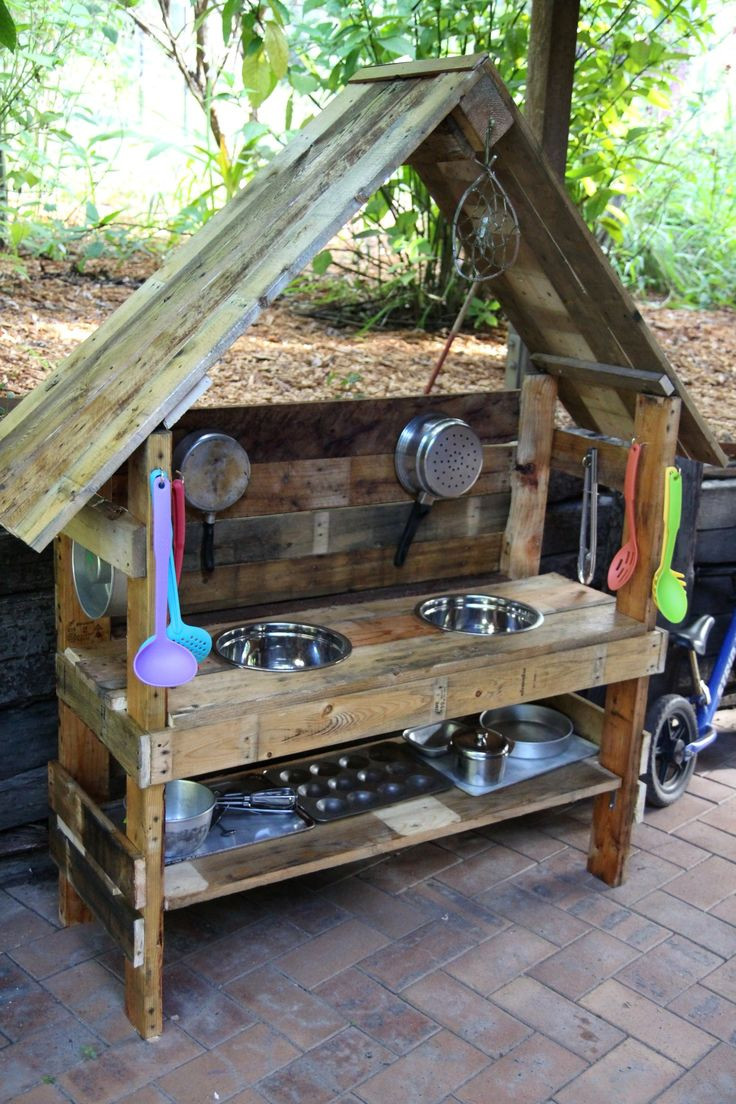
{"x":161,"y":661}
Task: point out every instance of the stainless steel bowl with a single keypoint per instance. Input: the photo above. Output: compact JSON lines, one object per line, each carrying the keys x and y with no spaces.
{"x":534,"y":731}
{"x":282,"y":646}
{"x":478,"y":614}
{"x":189,"y":806}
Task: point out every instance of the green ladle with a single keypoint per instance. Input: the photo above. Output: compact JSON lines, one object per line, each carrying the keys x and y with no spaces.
{"x":668,"y":586}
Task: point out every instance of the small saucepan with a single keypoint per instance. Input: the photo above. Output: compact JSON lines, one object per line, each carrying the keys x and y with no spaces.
{"x":216,"y":471}
{"x":436,"y":457}
{"x":480,"y":755}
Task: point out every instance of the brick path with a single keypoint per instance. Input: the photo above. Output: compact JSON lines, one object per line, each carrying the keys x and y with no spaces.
{"x":490,"y":968}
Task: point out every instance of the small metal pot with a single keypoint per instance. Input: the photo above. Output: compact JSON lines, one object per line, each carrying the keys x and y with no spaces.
{"x":189,"y":808}
{"x":481,"y":756}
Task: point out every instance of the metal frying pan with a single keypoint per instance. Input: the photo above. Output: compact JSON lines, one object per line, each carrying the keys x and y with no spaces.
{"x":216,"y":472}
{"x":436,"y":457}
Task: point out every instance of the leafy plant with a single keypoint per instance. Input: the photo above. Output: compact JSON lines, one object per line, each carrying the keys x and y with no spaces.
{"x":36,"y":108}
{"x":679,"y":238}
{"x":8,"y":34}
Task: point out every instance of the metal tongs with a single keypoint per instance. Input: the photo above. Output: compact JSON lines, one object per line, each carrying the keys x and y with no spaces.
{"x":281,"y":800}
{"x":589,"y":518}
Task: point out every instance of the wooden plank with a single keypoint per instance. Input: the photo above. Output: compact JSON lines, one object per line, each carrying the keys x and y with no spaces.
{"x":80,"y":752}
{"x":82,"y":704}
{"x":97,"y":414}
{"x":310,"y":576}
{"x":96,"y":836}
{"x":294,"y":432}
{"x":112,"y":534}
{"x":356,"y":713}
{"x":569,"y":448}
{"x":289,"y":486}
{"x":428,"y":67}
{"x":626,"y":699}
{"x":123,"y":923}
{"x":522,"y":545}
{"x":550,"y":75}
{"x":619,"y":377}
{"x":146,"y":706}
{"x":331,"y":532}
{"x":360,"y":837}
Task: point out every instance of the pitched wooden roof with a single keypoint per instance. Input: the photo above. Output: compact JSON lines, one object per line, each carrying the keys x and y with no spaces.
{"x":72,"y":432}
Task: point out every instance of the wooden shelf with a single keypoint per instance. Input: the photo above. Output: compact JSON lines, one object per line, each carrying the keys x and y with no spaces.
{"x":401,"y":672}
{"x":360,"y":837}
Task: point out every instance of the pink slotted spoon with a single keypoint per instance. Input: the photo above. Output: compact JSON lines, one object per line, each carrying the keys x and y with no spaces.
{"x":624,"y":562}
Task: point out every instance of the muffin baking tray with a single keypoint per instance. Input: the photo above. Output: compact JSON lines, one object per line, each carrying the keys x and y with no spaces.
{"x":357,"y":781}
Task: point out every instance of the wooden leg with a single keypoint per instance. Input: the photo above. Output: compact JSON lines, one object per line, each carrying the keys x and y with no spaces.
{"x":656,"y":425}
{"x":86,"y":759}
{"x":143,"y":984}
{"x":145,"y":807}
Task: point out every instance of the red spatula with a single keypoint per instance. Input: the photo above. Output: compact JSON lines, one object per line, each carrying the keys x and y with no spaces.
{"x":624,"y":562}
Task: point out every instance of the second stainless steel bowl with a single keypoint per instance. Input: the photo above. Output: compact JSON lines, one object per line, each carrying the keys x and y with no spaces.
{"x":282,"y":646}
{"x":478,"y":614}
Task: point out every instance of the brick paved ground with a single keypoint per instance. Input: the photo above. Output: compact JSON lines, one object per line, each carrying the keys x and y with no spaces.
{"x":490,"y":968}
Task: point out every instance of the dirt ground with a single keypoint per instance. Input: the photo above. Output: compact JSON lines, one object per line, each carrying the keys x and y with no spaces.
{"x":286,"y":356}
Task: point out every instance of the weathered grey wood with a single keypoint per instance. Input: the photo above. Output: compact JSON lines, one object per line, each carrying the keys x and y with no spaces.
{"x":348,"y":529}
{"x":98,"y":412}
{"x":23,"y":798}
{"x":428,"y":67}
{"x":550,"y":76}
{"x":112,"y":534}
{"x":22,"y":569}
{"x":619,"y":377}
{"x":26,"y":647}
{"x":96,"y":835}
{"x":27,"y":734}
{"x":122,"y":922}
{"x":357,"y":427}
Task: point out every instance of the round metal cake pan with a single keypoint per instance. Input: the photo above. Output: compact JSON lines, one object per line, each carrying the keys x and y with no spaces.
{"x":280,"y":646}
{"x":534,"y":731}
{"x":478,"y":614}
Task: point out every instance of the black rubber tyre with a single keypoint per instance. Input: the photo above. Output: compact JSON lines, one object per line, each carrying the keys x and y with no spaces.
{"x":672,"y":723}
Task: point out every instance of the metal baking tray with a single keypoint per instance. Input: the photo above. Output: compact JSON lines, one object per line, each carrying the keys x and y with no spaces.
{"x":357,"y":780}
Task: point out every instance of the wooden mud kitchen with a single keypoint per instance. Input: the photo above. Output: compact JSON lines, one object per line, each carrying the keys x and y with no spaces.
{"x":88,"y":459}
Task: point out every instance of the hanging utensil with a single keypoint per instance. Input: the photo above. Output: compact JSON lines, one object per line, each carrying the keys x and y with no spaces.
{"x":485,"y":229}
{"x":436,"y":457}
{"x":624,"y":562}
{"x":180,"y":524}
{"x":160,"y":661}
{"x":589,"y":518}
{"x":216,"y":471}
{"x":668,"y":585}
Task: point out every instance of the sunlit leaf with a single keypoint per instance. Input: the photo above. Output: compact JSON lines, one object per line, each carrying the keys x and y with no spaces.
{"x":277,"y":49}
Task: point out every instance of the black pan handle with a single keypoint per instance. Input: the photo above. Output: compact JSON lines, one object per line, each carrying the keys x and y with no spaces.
{"x":208,"y":547}
{"x":418,"y":511}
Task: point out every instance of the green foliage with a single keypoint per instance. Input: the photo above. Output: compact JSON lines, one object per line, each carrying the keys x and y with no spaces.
{"x":626,"y":60}
{"x":233,"y":55}
{"x":679,"y":239}
{"x":8,"y":34}
{"x":37,"y":111}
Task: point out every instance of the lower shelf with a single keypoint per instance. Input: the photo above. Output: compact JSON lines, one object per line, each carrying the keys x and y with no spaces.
{"x":389,"y":829}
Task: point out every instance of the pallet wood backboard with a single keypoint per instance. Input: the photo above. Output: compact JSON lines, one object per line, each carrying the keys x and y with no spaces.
{"x":75,"y":430}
